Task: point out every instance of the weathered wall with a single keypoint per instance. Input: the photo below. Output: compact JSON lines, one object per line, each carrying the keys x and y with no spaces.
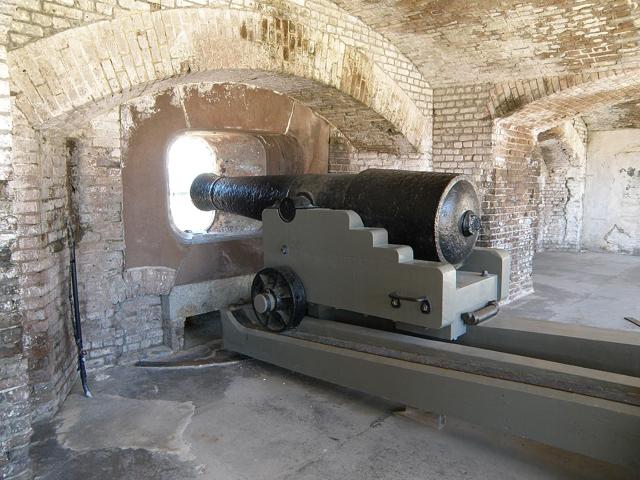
{"x":562,"y":183}
{"x":150,"y":124}
{"x":466,"y":139}
{"x":623,"y":115}
{"x":15,"y":412}
{"x":78,"y":80}
{"x":462,"y":129}
{"x":521,"y":110}
{"x":121,"y":310}
{"x":462,"y":41}
{"x":362,"y":66}
{"x":121,"y":299}
{"x":40,"y":184}
{"x":356,"y":86}
{"x":344,"y":157}
{"x":38,"y":19}
{"x":612,"y":194}
{"x":39,"y":375}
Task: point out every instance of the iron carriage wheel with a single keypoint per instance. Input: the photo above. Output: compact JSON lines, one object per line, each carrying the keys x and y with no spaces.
{"x":278,"y":298}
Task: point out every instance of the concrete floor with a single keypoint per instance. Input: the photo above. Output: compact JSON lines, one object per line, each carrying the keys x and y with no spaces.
{"x":249,"y":420}
{"x":594,"y":289}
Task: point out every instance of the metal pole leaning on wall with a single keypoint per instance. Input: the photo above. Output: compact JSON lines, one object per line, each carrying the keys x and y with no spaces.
{"x":77,"y":324}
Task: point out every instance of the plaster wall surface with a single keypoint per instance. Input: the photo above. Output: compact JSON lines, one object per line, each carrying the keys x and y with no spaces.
{"x":612,"y":195}
{"x":151,"y":122}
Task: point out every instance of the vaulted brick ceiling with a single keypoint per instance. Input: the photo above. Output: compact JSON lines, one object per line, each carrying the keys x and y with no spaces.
{"x":623,"y":115}
{"x":460,"y":41}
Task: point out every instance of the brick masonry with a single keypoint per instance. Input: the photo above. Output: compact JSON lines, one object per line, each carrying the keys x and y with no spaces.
{"x":58,"y":15}
{"x":41,"y":210}
{"x":465,"y":88}
{"x":467,"y":139}
{"x":144,"y":49}
{"x":15,"y":421}
{"x":379,"y":110}
{"x":457,"y":41}
{"x":563,"y":165}
{"x":122,"y":309}
{"x":490,"y":131}
{"x":623,"y":115}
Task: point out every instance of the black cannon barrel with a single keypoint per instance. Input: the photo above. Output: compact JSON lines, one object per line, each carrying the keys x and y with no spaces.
{"x":437,"y":214}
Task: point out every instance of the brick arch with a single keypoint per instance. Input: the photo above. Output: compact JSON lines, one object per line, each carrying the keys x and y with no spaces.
{"x":545,"y":102}
{"x":511,"y":212}
{"x":106,"y":63}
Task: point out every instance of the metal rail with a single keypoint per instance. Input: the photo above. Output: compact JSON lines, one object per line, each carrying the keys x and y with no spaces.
{"x":596,"y":348}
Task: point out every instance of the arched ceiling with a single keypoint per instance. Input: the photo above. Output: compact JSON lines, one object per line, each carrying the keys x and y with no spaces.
{"x":60,"y":78}
{"x":450,"y":41}
{"x":580,"y":100}
{"x":471,"y":41}
{"x":623,"y":115}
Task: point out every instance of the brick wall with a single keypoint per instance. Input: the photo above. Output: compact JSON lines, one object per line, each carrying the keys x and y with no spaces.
{"x":542,"y":103}
{"x":69,"y":164}
{"x":344,"y":157}
{"x":467,"y":140}
{"x":15,"y":425}
{"x":39,"y":376}
{"x":41,"y":256}
{"x":498,"y":157}
{"x":515,"y":184}
{"x":624,"y":115}
{"x":73,"y":62}
{"x":511,"y":213}
{"x":522,"y":110}
{"x":462,"y":132}
{"x":381,"y":121}
{"x":58,"y":182}
{"x":121,"y":310}
{"x":562,"y":180}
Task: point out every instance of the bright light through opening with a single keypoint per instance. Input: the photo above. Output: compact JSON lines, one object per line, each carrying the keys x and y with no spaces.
{"x":188,"y":157}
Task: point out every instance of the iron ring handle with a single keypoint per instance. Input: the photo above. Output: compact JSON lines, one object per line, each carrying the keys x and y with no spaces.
{"x":425,"y":306}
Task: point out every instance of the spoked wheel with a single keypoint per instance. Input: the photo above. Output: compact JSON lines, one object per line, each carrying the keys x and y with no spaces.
{"x":278,"y":298}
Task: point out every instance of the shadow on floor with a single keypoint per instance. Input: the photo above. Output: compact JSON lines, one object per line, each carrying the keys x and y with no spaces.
{"x":249,"y":420}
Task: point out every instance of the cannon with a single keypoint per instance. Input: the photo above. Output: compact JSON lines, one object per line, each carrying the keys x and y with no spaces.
{"x":434,"y":213}
{"x":393,"y":245}
{"x":374,"y":282}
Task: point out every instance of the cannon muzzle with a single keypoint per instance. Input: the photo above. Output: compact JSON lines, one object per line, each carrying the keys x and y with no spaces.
{"x":437,"y":214}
